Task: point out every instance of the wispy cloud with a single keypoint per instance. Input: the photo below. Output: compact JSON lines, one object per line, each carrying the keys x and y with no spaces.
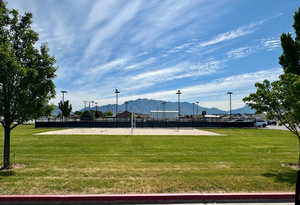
{"x":101,"y":69}
{"x":142,"y":64}
{"x":239,"y":32}
{"x":113,"y":26}
{"x":239,"y":52}
{"x":271,"y":43}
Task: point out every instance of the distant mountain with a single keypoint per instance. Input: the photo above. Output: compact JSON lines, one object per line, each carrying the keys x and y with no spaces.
{"x":244,"y":110}
{"x":145,"y":106}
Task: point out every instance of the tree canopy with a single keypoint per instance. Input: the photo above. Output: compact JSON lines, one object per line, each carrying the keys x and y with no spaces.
{"x":26,"y":73}
{"x":65,"y":107}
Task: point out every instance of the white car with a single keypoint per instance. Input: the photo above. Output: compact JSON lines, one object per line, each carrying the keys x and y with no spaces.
{"x":261,"y":123}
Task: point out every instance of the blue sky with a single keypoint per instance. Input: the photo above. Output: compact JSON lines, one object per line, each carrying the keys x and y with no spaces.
{"x":151,"y":48}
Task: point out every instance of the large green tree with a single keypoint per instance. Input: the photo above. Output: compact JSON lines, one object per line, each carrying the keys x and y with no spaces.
{"x":280,"y":100}
{"x":65,"y":107}
{"x":26,"y":74}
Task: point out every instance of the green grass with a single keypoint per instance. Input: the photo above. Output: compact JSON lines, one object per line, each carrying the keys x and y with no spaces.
{"x":241,"y":160}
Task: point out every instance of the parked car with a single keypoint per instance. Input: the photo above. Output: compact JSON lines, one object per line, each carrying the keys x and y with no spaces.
{"x":261,"y":123}
{"x":272,"y":122}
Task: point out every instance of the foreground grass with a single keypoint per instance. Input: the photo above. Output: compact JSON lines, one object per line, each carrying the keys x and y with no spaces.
{"x":242,"y":160}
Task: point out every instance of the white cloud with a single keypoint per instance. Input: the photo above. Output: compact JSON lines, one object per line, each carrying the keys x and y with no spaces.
{"x":101,"y":11}
{"x":271,"y":43}
{"x":113,"y":26}
{"x":101,"y":69}
{"x":239,"y":52}
{"x":239,"y":32}
{"x":142,"y":64}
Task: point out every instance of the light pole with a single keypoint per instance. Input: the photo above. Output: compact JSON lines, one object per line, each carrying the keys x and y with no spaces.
{"x":164,"y":109}
{"x":193,"y":110}
{"x":96,"y":106}
{"x":63,"y":95}
{"x":229,"y":93}
{"x":92,"y":104}
{"x":63,"y":100}
{"x":178,"y":94}
{"x":197,"y":108}
{"x":117,"y":95}
{"x":85,"y":103}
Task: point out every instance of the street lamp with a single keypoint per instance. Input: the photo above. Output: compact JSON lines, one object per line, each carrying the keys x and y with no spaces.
{"x":197,"y":107}
{"x":178,"y":93}
{"x":92,"y":104}
{"x":63,"y":95}
{"x":164,"y":109}
{"x":85,"y":103}
{"x":229,"y":93}
{"x":117,"y":95}
{"x":96,"y":106}
{"x":193,"y":110}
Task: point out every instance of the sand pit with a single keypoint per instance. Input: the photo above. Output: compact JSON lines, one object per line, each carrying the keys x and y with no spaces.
{"x":127,"y":131}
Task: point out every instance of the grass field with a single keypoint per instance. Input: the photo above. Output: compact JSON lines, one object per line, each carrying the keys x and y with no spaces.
{"x":241,"y":160}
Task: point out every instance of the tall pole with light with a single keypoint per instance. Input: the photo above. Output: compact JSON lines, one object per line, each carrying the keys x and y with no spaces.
{"x":85,"y":103}
{"x":164,"y":109}
{"x":117,"y":96}
{"x":193,"y":110}
{"x":63,"y":95}
{"x":96,"y":104}
{"x":63,"y":100}
{"x":178,"y":94}
{"x":197,"y":108}
{"x":229,"y":93}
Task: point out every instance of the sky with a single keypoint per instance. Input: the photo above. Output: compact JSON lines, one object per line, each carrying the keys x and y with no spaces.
{"x":152,"y":48}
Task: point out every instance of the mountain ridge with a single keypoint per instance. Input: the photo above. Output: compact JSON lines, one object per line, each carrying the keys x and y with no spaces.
{"x":144,"y":106}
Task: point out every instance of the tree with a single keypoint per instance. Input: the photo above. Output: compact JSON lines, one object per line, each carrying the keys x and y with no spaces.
{"x":87,"y":116}
{"x":98,"y":114}
{"x":78,"y":113}
{"x":280,"y":100}
{"x":26,"y":74}
{"x":108,"y":114}
{"x":65,"y":107}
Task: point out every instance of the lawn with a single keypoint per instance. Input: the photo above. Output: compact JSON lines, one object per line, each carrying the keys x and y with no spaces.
{"x":241,"y":160}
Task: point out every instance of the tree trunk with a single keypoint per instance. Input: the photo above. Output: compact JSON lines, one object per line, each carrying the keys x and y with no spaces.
{"x":6,"y":152}
{"x":297,"y":195}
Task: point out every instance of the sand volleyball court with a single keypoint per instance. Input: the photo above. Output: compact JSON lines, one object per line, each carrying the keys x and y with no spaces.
{"x":128,"y":131}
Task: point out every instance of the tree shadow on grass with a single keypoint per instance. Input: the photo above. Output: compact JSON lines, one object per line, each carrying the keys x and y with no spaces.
{"x":6,"y":173}
{"x":286,"y":176}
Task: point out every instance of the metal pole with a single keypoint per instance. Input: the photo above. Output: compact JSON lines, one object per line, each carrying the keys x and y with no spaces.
{"x":117,"y":95}
{"x":63,"y":95}
{"x":96,"y":106}
{"x":230,"y":106}
{"x":84,"y":102}
{"x":229,"y":93}
{"x":164,"y":110}
{"x":193,"y":110}
{"x":178,"y":93}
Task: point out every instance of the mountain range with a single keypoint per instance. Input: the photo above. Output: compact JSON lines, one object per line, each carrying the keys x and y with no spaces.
{"x":144,"y":106}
